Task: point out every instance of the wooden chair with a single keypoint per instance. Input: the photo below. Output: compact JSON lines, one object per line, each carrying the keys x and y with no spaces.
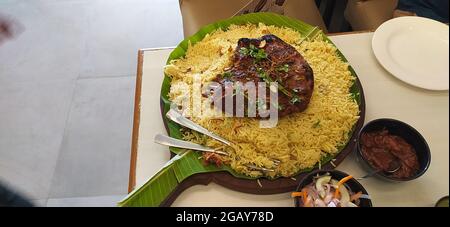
{"x":197,"y":13}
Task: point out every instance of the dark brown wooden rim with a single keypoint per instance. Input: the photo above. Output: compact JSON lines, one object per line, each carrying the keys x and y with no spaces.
{"x":136,"y":121}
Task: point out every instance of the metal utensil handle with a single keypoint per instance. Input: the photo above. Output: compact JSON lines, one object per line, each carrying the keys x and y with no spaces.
{"x":169,"y":141}
{"x":393,"y":168}
{"x":368,"y":175}
{"x":180,"y":119}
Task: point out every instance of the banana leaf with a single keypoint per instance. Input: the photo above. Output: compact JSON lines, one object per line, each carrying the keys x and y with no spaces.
{"x":158,"y":187}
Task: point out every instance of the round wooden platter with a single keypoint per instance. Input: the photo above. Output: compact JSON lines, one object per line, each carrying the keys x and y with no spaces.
{"x":267,"y":187}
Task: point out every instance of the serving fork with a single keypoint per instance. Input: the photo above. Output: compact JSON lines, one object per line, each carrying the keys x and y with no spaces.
{"x":172,"y":142}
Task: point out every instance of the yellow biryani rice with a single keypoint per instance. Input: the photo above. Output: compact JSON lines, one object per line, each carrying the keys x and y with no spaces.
{"x":299,"y":140}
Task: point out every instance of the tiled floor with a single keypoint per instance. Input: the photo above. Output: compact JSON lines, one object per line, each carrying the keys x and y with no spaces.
{"x":93,"y":153}
{"x":32,"y":118}
{"x":67,"y":91}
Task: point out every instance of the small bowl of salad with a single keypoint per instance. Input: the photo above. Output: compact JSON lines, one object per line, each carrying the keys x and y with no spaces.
{"x":330,"y":188}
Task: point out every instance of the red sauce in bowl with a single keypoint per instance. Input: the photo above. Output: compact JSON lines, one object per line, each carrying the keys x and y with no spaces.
{"x":382,"y":150}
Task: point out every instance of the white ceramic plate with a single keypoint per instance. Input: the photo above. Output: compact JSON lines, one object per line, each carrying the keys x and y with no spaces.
{"x":415,"y":50}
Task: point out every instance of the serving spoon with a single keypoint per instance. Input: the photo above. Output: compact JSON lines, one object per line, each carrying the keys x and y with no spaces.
{"x":172,"y":142}
{"x":178,"y":118}
{"x":394,"y":166}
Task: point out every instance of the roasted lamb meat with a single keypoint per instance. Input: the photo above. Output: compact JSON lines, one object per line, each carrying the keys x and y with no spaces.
{"x":269,"y":59}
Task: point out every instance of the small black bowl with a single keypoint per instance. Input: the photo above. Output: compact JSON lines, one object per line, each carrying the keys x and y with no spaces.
{"x":405,"y":131}
{"x":354,"y":185}
{"x":443,"y":202}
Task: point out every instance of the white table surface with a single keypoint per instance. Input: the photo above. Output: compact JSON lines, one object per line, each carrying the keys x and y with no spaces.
{"x":385,"y":96}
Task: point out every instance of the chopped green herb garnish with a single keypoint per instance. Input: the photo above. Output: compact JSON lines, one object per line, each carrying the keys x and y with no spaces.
{"x":317,"y":124}
{"x":254,"y":52}
{"x":279,"y":80}
{"x":227,"y":74}
{"x":294,"y":99}
{"x":259,"y":104}
{"x":263,"y":75}
{"x":257,"y":53}
{"x":280,"y":107}
{"x":283,"y":68}
{"x":354,"y":96}
{"x":244,"y":51}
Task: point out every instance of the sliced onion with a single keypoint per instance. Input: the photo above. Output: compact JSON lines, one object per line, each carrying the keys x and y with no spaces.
{"x":320,"y":184}
{"x":312,"y":192}
{"x":319,"y":203}
{"x":328,"y":198}
{"x":335,"y":201}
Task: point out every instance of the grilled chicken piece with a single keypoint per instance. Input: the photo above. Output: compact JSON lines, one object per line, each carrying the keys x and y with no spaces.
{"x":270,"y":59}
